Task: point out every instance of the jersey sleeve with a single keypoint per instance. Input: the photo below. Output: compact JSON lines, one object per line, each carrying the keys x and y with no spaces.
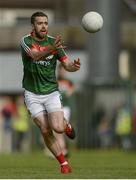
{"x":26,"y":45}
{"x":61,"y":55}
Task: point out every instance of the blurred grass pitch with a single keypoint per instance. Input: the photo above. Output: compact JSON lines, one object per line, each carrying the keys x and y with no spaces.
{"x":86,"y":164}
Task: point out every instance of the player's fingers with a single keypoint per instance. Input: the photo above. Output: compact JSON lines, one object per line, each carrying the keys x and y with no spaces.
{"x":60,"y":44}
{"x":77,"y":61}
{"x":77,"y":66}
{"x":58,"y":39}
{"x":61,"y":47}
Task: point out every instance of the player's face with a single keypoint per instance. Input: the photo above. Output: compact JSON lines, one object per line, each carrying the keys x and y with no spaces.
{"x":40,"y":27}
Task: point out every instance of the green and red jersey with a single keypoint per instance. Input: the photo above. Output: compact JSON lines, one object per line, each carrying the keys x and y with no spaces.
{"x":40,"y":76}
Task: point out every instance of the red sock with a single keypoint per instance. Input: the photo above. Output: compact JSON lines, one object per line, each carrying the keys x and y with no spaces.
{"x":61,"y":158}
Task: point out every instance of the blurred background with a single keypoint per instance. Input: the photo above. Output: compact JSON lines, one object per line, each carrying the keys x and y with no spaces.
{"x":104,"y":104}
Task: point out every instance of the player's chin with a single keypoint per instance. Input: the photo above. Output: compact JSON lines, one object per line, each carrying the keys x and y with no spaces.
{"x":43,"y":35}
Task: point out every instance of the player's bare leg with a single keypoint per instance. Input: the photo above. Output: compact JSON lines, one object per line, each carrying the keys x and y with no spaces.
{"x":62,"y":142}
{"x":70,"y":132}
{"x":50,"y":140}
{"x":60,"y":125}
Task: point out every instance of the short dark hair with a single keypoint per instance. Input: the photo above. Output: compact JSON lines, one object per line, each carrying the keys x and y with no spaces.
{"x":37,"y":14}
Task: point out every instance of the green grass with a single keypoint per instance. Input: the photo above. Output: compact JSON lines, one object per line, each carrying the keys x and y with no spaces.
{"x":86,"y":165}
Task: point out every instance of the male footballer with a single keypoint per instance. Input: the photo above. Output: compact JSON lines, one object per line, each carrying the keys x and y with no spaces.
{"x":40,"y":53}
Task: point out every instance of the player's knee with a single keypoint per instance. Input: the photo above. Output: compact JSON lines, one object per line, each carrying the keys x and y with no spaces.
{"x":58,"y":129}
{"x":44,"y":130}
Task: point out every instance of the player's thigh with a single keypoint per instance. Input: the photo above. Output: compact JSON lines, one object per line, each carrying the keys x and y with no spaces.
{"x":56,"y":120}
{"x":41,"y":120}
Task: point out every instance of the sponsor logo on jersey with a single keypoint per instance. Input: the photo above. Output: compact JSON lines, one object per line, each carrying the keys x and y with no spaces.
{"x":45,"y":62}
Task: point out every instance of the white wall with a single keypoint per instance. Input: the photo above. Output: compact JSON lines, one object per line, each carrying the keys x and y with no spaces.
{"x":10,"y":72}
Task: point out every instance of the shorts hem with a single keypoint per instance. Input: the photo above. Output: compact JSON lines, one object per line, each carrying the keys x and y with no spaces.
{"x":55,"y":110}
{"x":36,"y":115}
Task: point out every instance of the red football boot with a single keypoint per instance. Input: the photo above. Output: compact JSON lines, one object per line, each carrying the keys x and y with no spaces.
{"x":66,"y":169}
{"x":69,"y":131}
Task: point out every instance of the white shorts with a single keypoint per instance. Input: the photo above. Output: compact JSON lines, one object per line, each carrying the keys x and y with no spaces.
{"x":67,"y":113}
{"x":36,"y":103}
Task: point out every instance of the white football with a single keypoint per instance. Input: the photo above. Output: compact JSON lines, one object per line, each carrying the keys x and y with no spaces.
{"x":92,"y":22}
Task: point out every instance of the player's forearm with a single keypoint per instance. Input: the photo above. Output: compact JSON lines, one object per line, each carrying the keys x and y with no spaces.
{"x":41,"y":55}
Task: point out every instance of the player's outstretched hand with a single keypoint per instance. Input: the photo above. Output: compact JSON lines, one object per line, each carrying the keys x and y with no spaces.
{"x":58,"y":44}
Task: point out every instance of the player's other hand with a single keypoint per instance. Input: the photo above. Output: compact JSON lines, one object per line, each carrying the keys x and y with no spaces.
{"x":76,"y":64}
